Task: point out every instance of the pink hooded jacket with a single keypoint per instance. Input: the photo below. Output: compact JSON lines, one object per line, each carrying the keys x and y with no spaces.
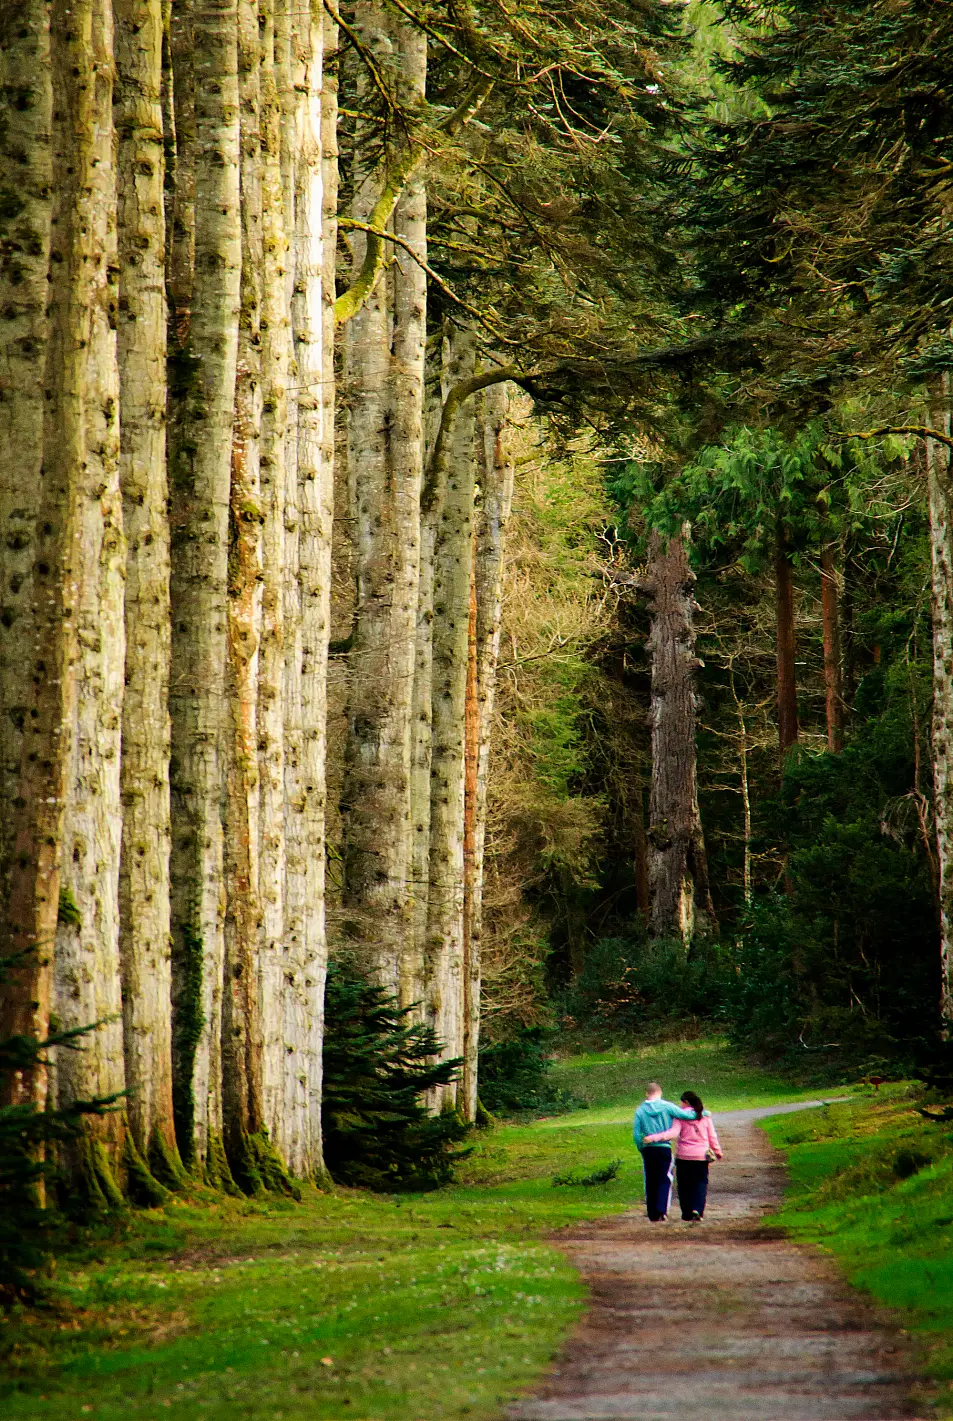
{"x":695,"y":1138}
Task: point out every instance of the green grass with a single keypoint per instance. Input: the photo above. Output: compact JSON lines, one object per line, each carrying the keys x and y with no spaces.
{"x":350,"y":1305}
{"x":612,"y":1082}
{"x":872,"y":1184}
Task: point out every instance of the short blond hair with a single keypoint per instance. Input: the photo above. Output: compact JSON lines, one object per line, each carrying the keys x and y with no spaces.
{"x":653,"y":1088}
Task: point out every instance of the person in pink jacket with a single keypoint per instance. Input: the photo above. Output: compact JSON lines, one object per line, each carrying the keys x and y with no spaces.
{"x":697,"y":1144}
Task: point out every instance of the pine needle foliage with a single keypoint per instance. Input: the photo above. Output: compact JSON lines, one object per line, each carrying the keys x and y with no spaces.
{"x":378,"y":1068}
{"x":27,"y":1162}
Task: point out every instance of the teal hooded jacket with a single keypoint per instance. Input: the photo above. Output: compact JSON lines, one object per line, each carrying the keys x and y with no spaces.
{"x":654,"y":1116}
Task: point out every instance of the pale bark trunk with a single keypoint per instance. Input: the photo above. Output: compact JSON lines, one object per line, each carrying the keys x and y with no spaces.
{"x":315,"y":470}
{"x":941,"y":544}
{"x":87,"y":979}
{"x":241,"y":1030}
{"x":144,"y":865}
{"x":200,"y":458}
{"x":785,"y":645}
{"x":495,"y":473}
{"x":26,"y":180}
{"x":445,"y":968}
{"x":833,"y":689}
{"x":413,"y":974}
{"x":37,"y":808}
{"x":275,"y":363}
{"x":408,"y":285}
{"x":678,"y":874}
{"x":386,"y":506}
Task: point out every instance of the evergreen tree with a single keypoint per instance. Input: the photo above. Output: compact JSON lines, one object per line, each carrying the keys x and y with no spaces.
{"x":378,"y":1067}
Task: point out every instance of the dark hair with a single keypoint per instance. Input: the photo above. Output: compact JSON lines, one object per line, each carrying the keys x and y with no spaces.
{"x":694,"y":1102}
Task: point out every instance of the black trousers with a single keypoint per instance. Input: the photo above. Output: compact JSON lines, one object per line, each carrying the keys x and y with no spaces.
{"x":657,"y":1164}
{"x":692,"y":1176}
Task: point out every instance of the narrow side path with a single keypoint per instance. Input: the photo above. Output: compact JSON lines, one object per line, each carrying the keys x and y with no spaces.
{"x":725,"y":1319}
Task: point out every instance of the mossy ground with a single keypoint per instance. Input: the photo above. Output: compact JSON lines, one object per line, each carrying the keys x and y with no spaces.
{"x":348,"y":1304}
{"x":872,"y":1184}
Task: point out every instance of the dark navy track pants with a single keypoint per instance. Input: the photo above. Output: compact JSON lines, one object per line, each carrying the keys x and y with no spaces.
{"x":692,"y":1176}
{"x":657,"y":1165}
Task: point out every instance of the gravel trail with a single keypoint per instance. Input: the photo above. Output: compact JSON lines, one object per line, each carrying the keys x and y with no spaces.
{"x":720,"y":1321}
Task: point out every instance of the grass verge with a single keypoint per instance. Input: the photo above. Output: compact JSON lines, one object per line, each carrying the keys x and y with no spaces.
{"x":349,"y":1305}
{"x":872,"y":1185}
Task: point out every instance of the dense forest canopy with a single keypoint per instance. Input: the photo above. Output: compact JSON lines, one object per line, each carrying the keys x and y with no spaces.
{"x":476,"y":508}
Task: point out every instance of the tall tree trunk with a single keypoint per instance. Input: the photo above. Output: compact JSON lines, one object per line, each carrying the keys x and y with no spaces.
{"x":36,"y":513}
{"x":453,"y":557}
{"x":495,"y":471}
{"x":144,"y":864}
{"x":275,"y":367}
{"x":87,"y":979}
{"x":785,"y":644}
{"x":386,"y":507}
{"x":206,"y":320}
{"x":409,"y":302}
{"x":27,"y":188}
{"x":833,"y":689}
{"x":315,"y":472}
{"x":413,"y":973}
{"x":941,"y":544}
{"x":678,"y":872}
{"x":241,"y":1029}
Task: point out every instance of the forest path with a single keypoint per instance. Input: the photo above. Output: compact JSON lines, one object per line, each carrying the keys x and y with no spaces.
{"x":725,"y":1319}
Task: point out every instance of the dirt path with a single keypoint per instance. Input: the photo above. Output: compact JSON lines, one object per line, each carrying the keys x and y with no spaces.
{"x":719,"y":1320}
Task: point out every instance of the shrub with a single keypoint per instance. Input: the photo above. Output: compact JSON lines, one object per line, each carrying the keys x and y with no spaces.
{"x":378,"y":1133}
{"x":27,"y":1227}
{"x":513,"y":1076}
{"x":629,"y":983}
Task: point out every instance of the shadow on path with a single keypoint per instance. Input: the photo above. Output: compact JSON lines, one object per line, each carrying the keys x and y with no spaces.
{"x":721,"y":1321}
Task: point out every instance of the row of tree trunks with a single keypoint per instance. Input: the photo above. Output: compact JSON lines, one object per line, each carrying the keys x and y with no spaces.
{"x":168,"y":549}
{"x":385,"y":342}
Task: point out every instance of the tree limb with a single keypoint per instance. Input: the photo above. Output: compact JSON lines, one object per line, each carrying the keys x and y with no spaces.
{"x":359,"y":292}
{"x":924,"y":431}
{"x":437,"y":467}
{"x":434,"y":276}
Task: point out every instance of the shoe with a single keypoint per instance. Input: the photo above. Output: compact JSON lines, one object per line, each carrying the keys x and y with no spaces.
{"x":696,"y":1217}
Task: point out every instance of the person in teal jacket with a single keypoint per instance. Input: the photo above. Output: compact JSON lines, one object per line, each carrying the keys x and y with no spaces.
{"x":654,"y":1116}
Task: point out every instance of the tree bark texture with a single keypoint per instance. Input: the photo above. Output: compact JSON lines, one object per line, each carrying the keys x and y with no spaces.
{"x":453,"y":560}
{"x":785,"y":645}
{"x":833,"y":687}
{"x":275,"y":370}
{"x":26,"y":184}
{"x":38,"y":805}
{"x":678,"y":871}
{"x":421,"y":743}
{"x":306,"y":968}
{"x":241,"y":1028}
{"x":386,"y":508}
{"x":941,"y":545}
{"x":87,"y":965}
{"x":207,"y":128}
{"x":408,"y":294}
{"x":495,"y":474}
{"x":144,"y":864}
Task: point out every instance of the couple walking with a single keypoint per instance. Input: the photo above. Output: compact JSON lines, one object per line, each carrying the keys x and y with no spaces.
{"x":656,"y":1122}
